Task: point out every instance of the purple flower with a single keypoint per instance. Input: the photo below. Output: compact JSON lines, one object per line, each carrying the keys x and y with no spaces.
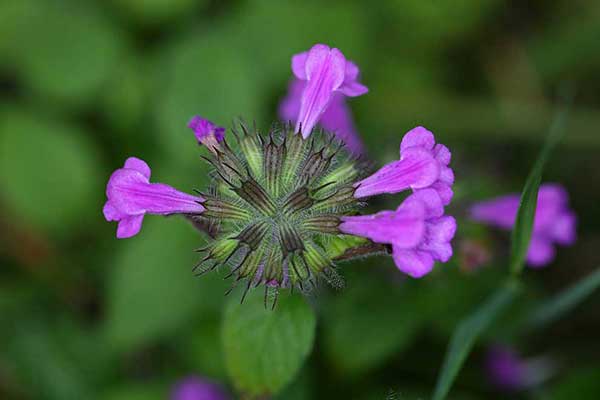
{"x":336,"y":118}
{"x":131,"y":195}
{"x":196,"y":388}
{"x":508,"y":371}
{"x":418,"y":231}
{"x":504,"y":368}
{"x":206,"y":132}
{"x":326,"y":72}
{"x":423,"y":164}
{"x":554,"y":221}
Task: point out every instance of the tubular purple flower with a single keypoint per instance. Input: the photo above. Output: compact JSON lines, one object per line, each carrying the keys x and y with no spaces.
{"x":131,"y":195}
{"x":196,"y":388}
{"x":207,"y":133}
{"x":423,"y":164}
{"x":418,"y":231}
{"x":337,"y":117}
{"x":554,"y":221}
{"x":326,"y":71}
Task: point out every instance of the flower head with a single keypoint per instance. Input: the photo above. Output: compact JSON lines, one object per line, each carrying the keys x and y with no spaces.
{"x":206,"y":132}
{"x":131,"y":195}
{"x":554,"y":221}
{"x":326,"y":71}
{"x":423,"y":164}
{"x":418,"y":232}
{"x":196,"y":388}
{"x":282,"y":208}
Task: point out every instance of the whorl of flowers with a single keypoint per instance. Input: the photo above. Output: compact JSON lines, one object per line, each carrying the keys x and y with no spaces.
{"x":283,"y":205}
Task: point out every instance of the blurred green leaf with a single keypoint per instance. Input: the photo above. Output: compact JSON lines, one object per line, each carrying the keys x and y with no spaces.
{"x":581,"y":384}
{"x":49,"y":170}
{"x":206,"y":360}
{"x":125,"y":98}
{"x":152,"y":291}
{"x":56,"y":360}
{"x":69,"y":50}
{"x":134,"y":392}
{"x":156,"y":12}
{"x":564,"y":302}
{"x":368,"y":322}
{"x":264,"y":348}
{"x":521,"y":234}
{"x":466,"y":334}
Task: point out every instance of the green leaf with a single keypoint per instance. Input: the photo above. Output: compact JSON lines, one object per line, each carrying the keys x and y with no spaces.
{"x":49,"y":171}
{"x":521,"y":234}
{"x":264,"y":348}
{"x":563,"y":302}
{"x":72,"y":56}
{"x":581,"y":384}
{"x":55,"y":360}
{"x":466,"y":334}
{"x":369,"y":322}
{"x":152,"y":291}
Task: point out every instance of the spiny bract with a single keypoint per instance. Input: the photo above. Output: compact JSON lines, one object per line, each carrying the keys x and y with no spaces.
{"x":273,"y":209}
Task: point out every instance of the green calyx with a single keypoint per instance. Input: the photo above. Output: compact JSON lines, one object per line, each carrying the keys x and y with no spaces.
{"x":275,"y":205}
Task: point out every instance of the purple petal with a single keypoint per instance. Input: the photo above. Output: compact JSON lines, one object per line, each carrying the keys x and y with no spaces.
{"x":564,"y":228}
{"x":138,"y":165}
{"x":417,"y":137}
{"x":430,"y":200}
{"x":414,"y":263}
{"x":540,"y":252}
{"x":351,"y":72}
{"x":417,"y":169}
{"x":505,"y":369}
{"x":443,"y":190}
{"x":442,"y":154}
{"x":438,"y":235}
{"x":289,"y":107}
{"x":129,"y":226}
{"x":196,"y":388}
{"x":353,"y":89}
{"x":111,"y":213}
{"x":501,"y":211}
{"x":404,"y":228}
{"x":206,"y":131}
{"x":337,"y":119}
{"x":325,"y":73}
{"x":299,"y":65}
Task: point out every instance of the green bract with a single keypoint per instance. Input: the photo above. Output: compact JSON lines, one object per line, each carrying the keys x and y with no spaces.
{"x":273,"y":210}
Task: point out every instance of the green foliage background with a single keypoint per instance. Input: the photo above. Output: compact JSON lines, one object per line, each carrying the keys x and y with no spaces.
{"x":85,"y":84}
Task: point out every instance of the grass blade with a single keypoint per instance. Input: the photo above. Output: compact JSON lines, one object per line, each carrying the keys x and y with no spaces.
{"x":467,"y":332}
{"x":565,"y":301}
{"x":521,"y":234}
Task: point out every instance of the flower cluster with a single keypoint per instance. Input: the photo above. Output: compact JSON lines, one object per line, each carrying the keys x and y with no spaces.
{"x":554,"y":221}
{"x":283,"y":206}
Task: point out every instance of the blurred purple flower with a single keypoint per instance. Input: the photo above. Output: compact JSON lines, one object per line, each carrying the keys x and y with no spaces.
{"x":418,"y":231}
{"x":196,"y":388}
{"x":326,"y":72}
{"x":131,"y":195}
{"x":554,"y":221}
{"x":423,"y":164}
{"x":336,"y":118}
{"x":507,"y":371}
{"x":206,"y":132}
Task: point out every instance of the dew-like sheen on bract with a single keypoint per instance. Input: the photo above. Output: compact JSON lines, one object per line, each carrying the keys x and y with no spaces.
{"x":274,"y":206}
